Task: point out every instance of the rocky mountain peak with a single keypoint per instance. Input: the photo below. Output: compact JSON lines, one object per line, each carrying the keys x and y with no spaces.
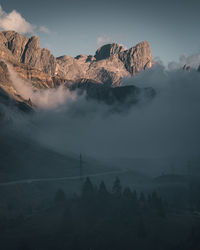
{"x":39,"y":68}
{"x":16,"y":43}
{"x":21,"y":49}
{"x":109,"y":65}
{"x":137,"y":58}
{"x":186,"y":67}
{"x":134,"y":59}
{"x":108,"y":50}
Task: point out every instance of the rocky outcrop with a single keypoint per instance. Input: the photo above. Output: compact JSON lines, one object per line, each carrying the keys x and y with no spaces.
{"x":108,"y":66}
{"x":39,"y":58}
{"x":134,"y":59}
{"x":14,"y":46}
{"x":137,"y":58}
{"x":34,"y":77}
{"x":4,"y":74}
{"x":108,"y":50}
{"x":28,"y":60}
{"x":108,"y":71}
{"x":186,"y":67}
{"x":8,"y":94}
{"x":5,"y":53}
{"x":119,"y":97}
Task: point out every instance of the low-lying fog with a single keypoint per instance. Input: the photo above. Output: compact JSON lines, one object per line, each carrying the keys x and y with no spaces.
{"x":168,"y":126}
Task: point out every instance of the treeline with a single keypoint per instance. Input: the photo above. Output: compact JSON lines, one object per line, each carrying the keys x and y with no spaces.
{"x":115,"y":218}
{"x":103,"y":219}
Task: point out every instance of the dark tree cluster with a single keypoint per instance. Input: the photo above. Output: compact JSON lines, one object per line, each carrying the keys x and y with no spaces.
{"x":103,"y":219}
{"x":193,"y":195}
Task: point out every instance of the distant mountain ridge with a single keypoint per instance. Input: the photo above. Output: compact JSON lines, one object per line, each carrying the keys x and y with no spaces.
{"x":110,"y":63}
{"x":42,"y":70}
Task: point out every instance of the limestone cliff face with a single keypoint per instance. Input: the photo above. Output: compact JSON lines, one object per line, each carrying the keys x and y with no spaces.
{"x":39,"y":58}
{"x":5,"y":53}
{"x":108,"y":50}
{"x":137,"y":58}
{"x":107,"y":71}
{"x":134,"y":59}
{"x":41,"y":69}
{"x":108,"y":66}
{"x":14,"y":46}
{"x":33,"y":64}
{"x":8,"y":94}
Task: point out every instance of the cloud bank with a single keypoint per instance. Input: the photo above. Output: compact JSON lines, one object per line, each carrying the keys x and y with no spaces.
{"x":103,"y":39}
{"x":45,"y":30}
{"x":45,"y":98}
{"x":192,"y":60}
{"x":167,"y":126}
{"x":14,"y":21}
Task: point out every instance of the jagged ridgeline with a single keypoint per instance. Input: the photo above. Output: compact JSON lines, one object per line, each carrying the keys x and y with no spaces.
{"x":99,"y":75}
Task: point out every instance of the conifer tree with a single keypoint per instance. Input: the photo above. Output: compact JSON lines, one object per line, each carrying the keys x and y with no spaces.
{"x":117,"y":188}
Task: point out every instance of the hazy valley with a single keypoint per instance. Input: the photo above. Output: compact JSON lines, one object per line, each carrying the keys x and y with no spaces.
{"x":97,"y":151}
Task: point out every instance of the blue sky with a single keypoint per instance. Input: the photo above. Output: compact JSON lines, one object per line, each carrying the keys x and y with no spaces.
{"x":79,"y":27}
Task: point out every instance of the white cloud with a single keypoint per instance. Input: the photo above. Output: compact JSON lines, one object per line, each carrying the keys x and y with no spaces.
{"x":192,"y":61}
{"x":44,"y":30}
{"x":14,"y":21}
{"x":103,"y":39}
{"x":43,"y":99}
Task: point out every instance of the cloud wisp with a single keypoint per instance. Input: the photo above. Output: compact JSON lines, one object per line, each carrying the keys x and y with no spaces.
{"x":43,"y":99}
{"x":167,"y":126}
{"x":15,"y":21}
{"x":103,"y":39}
{"x":45,"y":30}
{"x":192,"y":60}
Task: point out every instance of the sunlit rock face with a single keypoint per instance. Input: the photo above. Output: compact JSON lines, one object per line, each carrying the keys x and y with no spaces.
{"x":41,"y":70}
{"x":108,"y":50}
{"x":8,"y":94}
{"x":26,"y":50}
{"x":107,"y":71}
{"x":134,"y":59}
{"x":109,"y":65}
{"x":137,"y":58}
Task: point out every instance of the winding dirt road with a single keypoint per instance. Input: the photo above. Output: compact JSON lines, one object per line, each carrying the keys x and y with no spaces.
{"x":29,"y":181}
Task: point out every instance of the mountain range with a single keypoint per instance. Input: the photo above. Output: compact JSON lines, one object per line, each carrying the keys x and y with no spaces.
{"x":100,"y":75}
